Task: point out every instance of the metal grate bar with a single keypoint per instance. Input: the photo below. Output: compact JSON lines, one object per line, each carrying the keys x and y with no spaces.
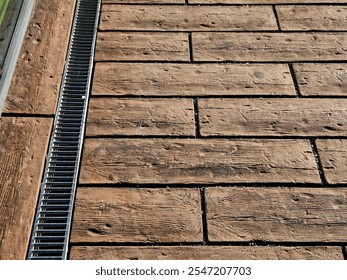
{"x":51,"y":228}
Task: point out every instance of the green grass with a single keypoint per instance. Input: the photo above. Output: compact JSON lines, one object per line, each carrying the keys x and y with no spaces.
{"x":3,"y":9}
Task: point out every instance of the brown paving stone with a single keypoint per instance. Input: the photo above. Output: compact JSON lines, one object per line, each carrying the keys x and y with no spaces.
{"x":157,"y":79}
{"x":320,"y":79}
{"x":205,"y":253}
{"x":142,"y":46}
{"x":36,"y":82}
{"x":277,"y":214}
{"x":23,"y":144}
{"x":194,"y":161}
{"x":187,"y":18}
{"x":333,"y":155}
{"x":137,"y":215}
{"x":143,"y":1}
{"x":312,"y":17}
{"x":219,"y":46}
{"x":265,"y":2}
{"x":109,"y":116}
{"x":273,"y":117}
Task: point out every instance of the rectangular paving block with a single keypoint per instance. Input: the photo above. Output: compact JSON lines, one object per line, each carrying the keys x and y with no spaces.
{"x":36,"y":81}
{"x":322,"y":79}
{"x":23,"y":148}
{"x":194,"y":161}
{"x":277,"y":214}
{"x":143,"y":1}
{"x":122,"y":46}
{"x":273,"y":117}
{"x":271,"y":47}
{"x":265,"y":2}
{"x":137,"y":215}
{"x":158,"y":79}
{"x":322,"y":17}
{"x":187,"y":18}
{"x":205,"y":253}
{"x":110,"y":116}
{"x":333,"y":155}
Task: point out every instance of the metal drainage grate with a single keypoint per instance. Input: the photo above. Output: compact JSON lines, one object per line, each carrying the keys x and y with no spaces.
{"x":51,"y":229}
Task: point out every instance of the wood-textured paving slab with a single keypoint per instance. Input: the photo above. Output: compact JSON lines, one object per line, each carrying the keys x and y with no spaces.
{"x":187,"y":18}
{"x":333,"y":155}
{"x":273,"y":117}
{"x":277,"y":214}
{"x":36,"y":81}
{"x":23,"y":144}
{"x":312,"y":17}
{"x":271,"y":47}
{"x":158,"y":79}
{"x":193,"y":161}
{"x":110,"y":116}
{"x":265,"y":2}
{"x":322,"y":79}
{"x":205,"y":253}
{"x":143,"y":1}
{"x":122,"y":46}
{"x":137,"y":215}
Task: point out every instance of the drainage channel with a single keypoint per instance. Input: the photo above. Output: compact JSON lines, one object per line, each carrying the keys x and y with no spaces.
{"x":51,"y":228}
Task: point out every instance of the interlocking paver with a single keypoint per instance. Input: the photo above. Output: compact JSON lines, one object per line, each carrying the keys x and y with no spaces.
{"x":253,"y":47}
{"x":320,"y":79}
{"x":205,"y":253}
{"x":333,"y":154}
{"x":194,"y":161}
{"x":273,"y":117}
{"x":142,"y":46}
{"x":187,"y":18}
{"x":158,"y":79}
{"x":277,"y":214}
{"x":109,"y":116}
{"x":312,"y":17}
{"x":23,"y":144}
{"x":134,"y":215}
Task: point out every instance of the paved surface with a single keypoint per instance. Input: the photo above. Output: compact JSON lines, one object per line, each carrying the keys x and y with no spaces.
{"x":214,"y":132}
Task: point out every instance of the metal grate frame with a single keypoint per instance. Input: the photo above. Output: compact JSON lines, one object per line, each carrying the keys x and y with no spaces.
{"x":51,"y":228}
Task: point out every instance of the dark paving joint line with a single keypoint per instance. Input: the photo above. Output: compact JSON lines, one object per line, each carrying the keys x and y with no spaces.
{"x":276,"y":17}
{"x":191,"y":58}
{"x":204,"y":215}
{"x":196,"y":116}
{"x":295,"y":81}
{"x":319,"y":162}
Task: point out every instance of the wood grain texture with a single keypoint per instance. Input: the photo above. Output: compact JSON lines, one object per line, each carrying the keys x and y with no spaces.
{"x":174,"y":79}
{"x":333,"y":155}
{"x":281,"y":47}
{"x":122,"y":46}
{"x":187,"y":18}
{"x":310,"y":17}
{"x":265,"y":2}
{"x":23,"y":145}
{"x":273,"y":117}
{"x":143,"y":1}
{"x":137,"y":215}
{"x":194,"y":161}
{"x":205,"y":253}
{"x":320,"y":79}
{"x":36,"y":81}
{"x":277,"y":214}
{"x":143,"y":117}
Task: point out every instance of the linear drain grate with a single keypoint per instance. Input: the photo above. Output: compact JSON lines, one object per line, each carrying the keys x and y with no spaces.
{"x":51,"y":229}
